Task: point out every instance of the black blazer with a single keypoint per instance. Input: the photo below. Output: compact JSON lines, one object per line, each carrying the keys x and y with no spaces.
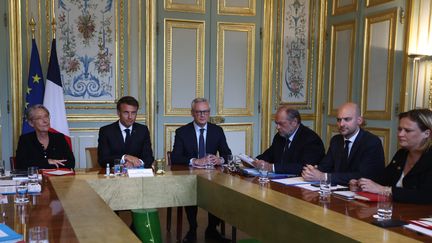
{"x":306,"y":148}
{"x":366,"y":158}
{"x":30,"y":151}
{"x":186,"y":147}
{"x":417,"y":184}
{"x":111,"y":144}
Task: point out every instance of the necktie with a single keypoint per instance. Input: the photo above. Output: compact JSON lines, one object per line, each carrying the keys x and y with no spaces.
{"x":285,"y":150}
{"x":346,"y":149}
{"x":127,"y":130}
{"x":201,"y":146}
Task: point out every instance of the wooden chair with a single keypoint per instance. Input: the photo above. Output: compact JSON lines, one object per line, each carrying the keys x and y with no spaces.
{"x":92,"y":157}
{"x":179,"y":212}
{"x":12,"y":161}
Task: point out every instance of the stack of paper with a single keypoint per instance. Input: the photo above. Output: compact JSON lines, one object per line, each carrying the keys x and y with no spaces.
{"x":420,"y":229}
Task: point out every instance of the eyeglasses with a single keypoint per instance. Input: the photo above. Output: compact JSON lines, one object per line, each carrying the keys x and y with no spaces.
{"x":204,"y":112}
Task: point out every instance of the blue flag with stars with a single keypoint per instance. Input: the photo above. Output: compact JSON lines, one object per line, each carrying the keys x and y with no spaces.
{"x":35,"y":85}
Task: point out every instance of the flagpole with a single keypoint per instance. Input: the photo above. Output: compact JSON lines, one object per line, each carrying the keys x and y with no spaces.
{"x":32,"y":24}
{"x":53,"y":24}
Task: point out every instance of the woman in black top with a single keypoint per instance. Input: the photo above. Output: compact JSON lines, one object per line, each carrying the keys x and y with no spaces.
{"x":408,"y":177}
{"x":42,"y":148}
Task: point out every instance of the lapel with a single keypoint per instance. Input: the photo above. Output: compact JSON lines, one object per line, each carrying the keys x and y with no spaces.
{"x":118,"y":136}
{"x":355,"y":145}
{"x":210,"y":138}
{"x":422,"y":165}
{"x":193,"y":138}
{"x":340,"y":162}
{"x":296,"y":138}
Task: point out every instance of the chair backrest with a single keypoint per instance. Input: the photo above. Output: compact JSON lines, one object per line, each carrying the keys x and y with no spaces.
{"x":169,"y":158}
{"x":92,"y":157}
{"x":12,"y":161}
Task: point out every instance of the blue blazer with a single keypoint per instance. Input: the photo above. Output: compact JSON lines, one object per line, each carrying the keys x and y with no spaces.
{"x":186,"y":147}
{"x":306,"y":148}
{"x":366,"y":158}
{"x":111,"y":144}
{"x":417,"y":184}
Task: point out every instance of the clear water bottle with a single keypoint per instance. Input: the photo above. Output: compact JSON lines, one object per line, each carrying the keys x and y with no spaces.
{"x":107,"y":170}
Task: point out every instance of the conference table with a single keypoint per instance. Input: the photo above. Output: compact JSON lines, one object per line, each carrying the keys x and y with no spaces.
{"x":80,"y":208}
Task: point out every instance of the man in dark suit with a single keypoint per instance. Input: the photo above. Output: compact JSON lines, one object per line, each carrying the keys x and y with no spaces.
{"x":352,"y":154}
{"x":125,"y":140}
{"x":197,"y":143}
{"x":293,"y":146}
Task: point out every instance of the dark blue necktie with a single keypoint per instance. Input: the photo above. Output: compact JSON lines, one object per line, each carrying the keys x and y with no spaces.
{"x":201,"y":146}
{"x":346,"y":149}
{"x":127,"y":130}
{"x":285,"y":150}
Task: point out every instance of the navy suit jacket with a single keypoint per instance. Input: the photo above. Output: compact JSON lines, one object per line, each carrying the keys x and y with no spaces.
{"x":306,"y":148}
{"x":111,"y":145}
{"x":366,"y":158}
{"x":186,"y":147}
{"x":417,"y":184}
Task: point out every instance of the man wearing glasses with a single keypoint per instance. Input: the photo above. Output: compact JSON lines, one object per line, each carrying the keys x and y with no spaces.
{"x":294,"y":146}
{"x":195,"y":144}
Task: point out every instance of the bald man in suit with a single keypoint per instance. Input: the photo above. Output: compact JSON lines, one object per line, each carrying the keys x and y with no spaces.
{"x":352,"y":154}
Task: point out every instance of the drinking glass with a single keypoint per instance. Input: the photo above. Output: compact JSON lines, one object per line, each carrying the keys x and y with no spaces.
{"x":118,"y":167}
{"x":209,"y":161}
{"x":325,"y":185}
{"x":263,"y":173}
{"x":231,"y":163}
{"x":2,"y":168}
{"x":160,"y":166}
{"x":21,"y":192}
{"x":385,"y":207}
{"x":32,"y":173}
{"x":38,"y":234}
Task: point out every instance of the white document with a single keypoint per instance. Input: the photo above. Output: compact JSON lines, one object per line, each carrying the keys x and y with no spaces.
{"x":248,"y":160}
{"x":59,"y":172}
{"x":292,"y":181}
{"x":346,"y":194}
{"x":140,"y":173}
{"x":419,"y":229}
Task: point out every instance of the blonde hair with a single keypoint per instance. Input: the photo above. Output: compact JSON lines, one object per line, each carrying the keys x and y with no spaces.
{"x":423,"y":119}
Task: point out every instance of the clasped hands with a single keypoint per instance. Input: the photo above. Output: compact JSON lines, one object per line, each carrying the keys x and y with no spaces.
{"x":311,"y":173}
{"x":262,"y":164}
{"x":367,"y":185}
{"x":209,"y":159}
{"x":131,"y":161}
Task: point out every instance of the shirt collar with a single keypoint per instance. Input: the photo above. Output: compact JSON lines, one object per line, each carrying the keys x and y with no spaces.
{"x":353,"y":137}
{"x":197,"y":128}
{"x":122,"y":128}
{"x":293,"y":134}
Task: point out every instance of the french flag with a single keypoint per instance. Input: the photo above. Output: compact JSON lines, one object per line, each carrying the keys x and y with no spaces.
{"x":54,"y":97}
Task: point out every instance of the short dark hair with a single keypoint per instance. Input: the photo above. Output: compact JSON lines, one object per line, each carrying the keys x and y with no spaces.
{"x":129,"y":100}
{"x":291,"y":112}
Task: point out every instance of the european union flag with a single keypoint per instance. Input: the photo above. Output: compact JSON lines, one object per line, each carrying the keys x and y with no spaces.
{"x":35,"y":85}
